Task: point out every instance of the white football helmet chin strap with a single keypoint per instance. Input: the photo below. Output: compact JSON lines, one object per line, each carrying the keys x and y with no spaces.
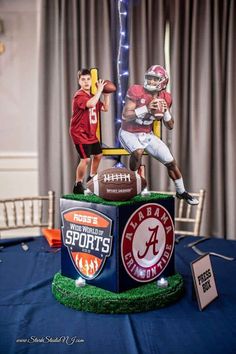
{"x":149,"y":87}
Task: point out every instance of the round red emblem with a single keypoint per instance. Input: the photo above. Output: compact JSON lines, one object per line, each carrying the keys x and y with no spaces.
{"x":147,"y":242}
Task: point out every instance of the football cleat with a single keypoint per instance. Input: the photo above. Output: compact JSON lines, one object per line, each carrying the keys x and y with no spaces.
{"x":89,"y":177}
{"x":78,"y":188}
{"x":188,"y":198}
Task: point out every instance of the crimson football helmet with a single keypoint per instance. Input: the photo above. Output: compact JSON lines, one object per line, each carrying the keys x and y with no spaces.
{"x":159,"y":72}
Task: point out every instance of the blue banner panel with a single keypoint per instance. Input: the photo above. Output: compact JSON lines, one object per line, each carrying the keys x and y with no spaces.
{"x":117,"y":247}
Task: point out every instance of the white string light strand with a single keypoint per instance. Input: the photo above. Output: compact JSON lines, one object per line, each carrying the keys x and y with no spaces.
{"x":122,"y":48}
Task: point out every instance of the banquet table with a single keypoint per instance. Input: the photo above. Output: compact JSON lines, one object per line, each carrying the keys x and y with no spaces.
{"x":32,"y":321}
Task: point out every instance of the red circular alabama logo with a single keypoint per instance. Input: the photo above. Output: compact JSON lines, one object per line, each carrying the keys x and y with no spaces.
{"x":147,"y":242}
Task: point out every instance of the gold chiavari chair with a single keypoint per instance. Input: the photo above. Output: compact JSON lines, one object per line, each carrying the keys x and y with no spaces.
{"x":188,"y":218}
{"x":27,"y":212}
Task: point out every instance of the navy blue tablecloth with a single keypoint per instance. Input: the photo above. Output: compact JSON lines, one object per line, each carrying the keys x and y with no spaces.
{"x":32,"y":321}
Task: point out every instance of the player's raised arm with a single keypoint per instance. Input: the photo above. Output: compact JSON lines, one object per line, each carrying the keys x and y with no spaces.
{"x":106,"y":102}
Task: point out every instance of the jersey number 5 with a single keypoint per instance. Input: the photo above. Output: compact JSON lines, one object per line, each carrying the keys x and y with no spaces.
{"x":93,"y":115}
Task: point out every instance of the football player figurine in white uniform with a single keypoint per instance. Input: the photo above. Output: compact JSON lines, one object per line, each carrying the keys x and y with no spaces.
{"x":143,"y":105}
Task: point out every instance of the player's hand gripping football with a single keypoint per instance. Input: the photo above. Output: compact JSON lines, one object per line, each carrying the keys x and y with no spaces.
{"x":157,"y":107}
{"x":158,"y":104}
{"x":100,"y":85}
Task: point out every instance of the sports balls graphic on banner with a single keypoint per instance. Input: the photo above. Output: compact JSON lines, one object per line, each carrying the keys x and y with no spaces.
{"x":147,"y":242}
{"x":87,"y":236}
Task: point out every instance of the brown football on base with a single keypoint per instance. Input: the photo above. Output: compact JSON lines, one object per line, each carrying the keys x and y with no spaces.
{"x":117,"y":184}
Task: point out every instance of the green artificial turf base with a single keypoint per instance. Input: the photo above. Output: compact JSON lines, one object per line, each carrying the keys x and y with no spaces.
{"x":92,"y":198}
{"x":92,"y":299}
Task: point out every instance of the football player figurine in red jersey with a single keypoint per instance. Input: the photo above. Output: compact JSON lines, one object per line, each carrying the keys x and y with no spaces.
{"x":144,"y":104}
{"x":83,"y":126}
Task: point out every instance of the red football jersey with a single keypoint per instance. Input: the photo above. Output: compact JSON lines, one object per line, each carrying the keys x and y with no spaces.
{"x":141,"y":97}
{"x":84,"y":121}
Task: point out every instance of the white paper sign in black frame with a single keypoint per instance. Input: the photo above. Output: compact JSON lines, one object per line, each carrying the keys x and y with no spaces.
{"x":204,"y":281}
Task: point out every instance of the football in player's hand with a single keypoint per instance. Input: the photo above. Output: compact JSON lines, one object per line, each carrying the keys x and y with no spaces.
{"x":109,"y":87}
{"x":117,"y":184}
{"x":161,"y":107}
